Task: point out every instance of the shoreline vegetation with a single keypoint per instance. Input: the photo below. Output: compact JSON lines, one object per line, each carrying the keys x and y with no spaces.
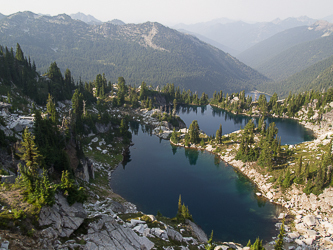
{"x":297,"y":207}
{"x":95,"y":123}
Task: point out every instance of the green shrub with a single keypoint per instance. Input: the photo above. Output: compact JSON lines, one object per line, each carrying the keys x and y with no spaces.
{"x":19,"y":214}
{"x":146,"y":218}
{"x":71,"y":190}
{"x":3,"y":172}
{"x":31,"y":232}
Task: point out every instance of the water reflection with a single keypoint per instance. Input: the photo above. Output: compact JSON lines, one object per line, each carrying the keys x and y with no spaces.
{"x":126,"y":157}
{"x":210,"y":118}
{"x":229,"y":209}
{"x":134,"y":127}
{"x":217,"y":161}
{"x":192,"y":155}
{"x":174,"y":149}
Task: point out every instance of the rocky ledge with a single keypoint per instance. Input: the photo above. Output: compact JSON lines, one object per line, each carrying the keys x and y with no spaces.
{"x":99,"y":226}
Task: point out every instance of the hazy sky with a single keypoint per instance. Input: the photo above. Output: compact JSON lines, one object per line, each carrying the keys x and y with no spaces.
{"x":175,"y":11}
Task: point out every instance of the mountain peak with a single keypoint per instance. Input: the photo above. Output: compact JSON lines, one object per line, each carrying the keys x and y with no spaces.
{"x":89,"y":19}
{"x":116,"y":22}
{"x":323,"y":26}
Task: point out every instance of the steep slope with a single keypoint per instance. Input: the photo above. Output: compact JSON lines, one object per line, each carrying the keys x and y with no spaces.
{"x":212,"y":42}
{"x":317,"y":77}
{"x":297,"y":58}
{"x":146,"y":52}
{"x":267,"y":49}
{"x":240,"y":35}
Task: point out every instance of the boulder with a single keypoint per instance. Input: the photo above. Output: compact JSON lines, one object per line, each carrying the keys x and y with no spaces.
{"x":49,"y":233}
{"x":140,"y":228}
{"x":269,"y":195}
{"x":281,"y":216}
{"x":117,"y":207}
{"x":7,"y":179}
{"x":174,"y":235}
{"x":299,"y":242}
{"x":62,"y":217}
{"x":221,"y":247}
{"x":159,"y":233}
{"x":310,"y":220}
{"x":308,"y":241}
{"x":311,"y":234}
{"x":5,"y":244}
{"x":301,"y":228}
{"x":135,"y":222}
{"x":293,"y":235}
{"x":197,"y":231}
{"x":152,"y":217}
{"x":101,"y":128}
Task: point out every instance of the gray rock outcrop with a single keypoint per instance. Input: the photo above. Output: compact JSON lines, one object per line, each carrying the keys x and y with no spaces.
{"x":86,"y":170}
{"x":106,"y":233}
{"x":197,"y":231}
{"x":101,"y":128}
{"x":61,"y":217}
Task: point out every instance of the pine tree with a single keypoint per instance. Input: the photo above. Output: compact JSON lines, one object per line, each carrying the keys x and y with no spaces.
{"x":174,"y":107}
{"x":279,"y":241}
{"x":210,"y":245}
{"x":299,"y":178}
{"x":318,"y":184}
{"x":29,"y":152}
{"x":19,"y":53}
{"x":265,"y":157}
{"x":280,"y":179}
{"x":174,"y":137}
{"x":202,"y":143}
{"x":257,"y":245}
{"x":306,"y":172}
{"x":77,"y":103}
{"x":194,"y":132}
{"x":308,"y":187}
{"x":286,"y":181}
{"x":179,"y":205}
{"x":51,"y":109}
{"x":219,"y":134}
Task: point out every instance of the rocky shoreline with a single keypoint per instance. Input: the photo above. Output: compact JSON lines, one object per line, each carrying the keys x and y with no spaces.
{"x":312,"y":226}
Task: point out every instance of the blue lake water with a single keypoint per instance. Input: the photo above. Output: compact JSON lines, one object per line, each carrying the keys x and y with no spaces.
{"x":219,"y":198}
{"x":209,"y":119}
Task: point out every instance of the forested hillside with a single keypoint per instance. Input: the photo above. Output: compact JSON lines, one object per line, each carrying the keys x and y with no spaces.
{"x":146,"y":52}
{"x":263,"y":51}
{"x":317,"y":77}
{"x":16,"y":70}
{"x":297,"y":58}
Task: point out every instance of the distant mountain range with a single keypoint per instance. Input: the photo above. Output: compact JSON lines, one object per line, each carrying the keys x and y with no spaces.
{"x":89,"y":19}
{"x":239,"y":35}
{"x":291,"y":51}
{"x":147,"y":52}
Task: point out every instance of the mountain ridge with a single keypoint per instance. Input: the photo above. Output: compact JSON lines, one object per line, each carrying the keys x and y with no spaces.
{"x":260,"y":53}
{"x":240,"y":35}
{"x":89,"y":19}
{"x":147,"y":52}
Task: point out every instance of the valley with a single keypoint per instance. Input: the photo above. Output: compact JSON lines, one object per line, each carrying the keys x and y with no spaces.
{"x":106,"y":125}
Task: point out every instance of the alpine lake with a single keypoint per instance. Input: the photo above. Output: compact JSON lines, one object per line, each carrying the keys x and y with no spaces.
{"x":219,"y":198}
